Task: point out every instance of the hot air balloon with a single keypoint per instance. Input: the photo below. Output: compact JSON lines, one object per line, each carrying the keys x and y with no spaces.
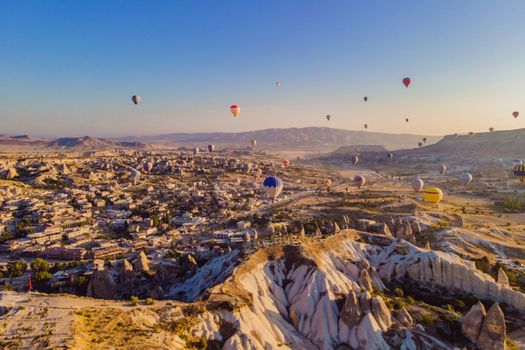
{"x":491,"y":129}
{"x":442,"y":169}
{"x":277,"y":83}
{"x":406,"y":120}
{"x":417,"y":184}
{"x":465,"y":178}
{"x":519,"y":171}
{"x":273,"y":186}
{"x":515,"y":114}
{"x":390,"y":155}
{"x":359,"y":181}
{"x":328,"y":182}
{"x":211,"y":148}
{"x":433,"y":195}
{"x":148,"y":166}
{"x":246,"y":167}
{"x":235,"y":110}
{"x":365,"y":98}
{"x":420,"y":144}
{"x":196,"y":150}
{"x":354,"y":160}
{"x":516,"y":162}
{"x":286,"y":163}
{"x":328,"y":117}
{"x":424,"y":140}
{"x":406,"y":81}
{"x":366,"y":126}
{"x":253,"y":142}
{"x":136,"y":99}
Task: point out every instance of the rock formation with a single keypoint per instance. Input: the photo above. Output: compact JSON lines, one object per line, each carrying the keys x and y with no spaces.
{"x":351,"y":313}
{"x":472,"y":322}
{"x":102,"y":285}
{"x":493,"y":331}
{"x":381,"y":313}
{"x":403,"y":317}
{"x":142,"y":263}
{"x":502,"y":277}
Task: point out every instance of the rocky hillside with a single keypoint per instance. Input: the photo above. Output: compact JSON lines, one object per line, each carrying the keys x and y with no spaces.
{"x":313,"y":139}
{"x":90,"y":143}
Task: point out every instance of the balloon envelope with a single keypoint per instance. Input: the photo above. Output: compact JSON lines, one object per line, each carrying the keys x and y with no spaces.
{"x":465,"y":178}
{"x":433,"y":195}
{"x":406,"y":81}
{"x":406,"y":120}
{"x":354,"y":160}
{"x":390,"y":155}
{"x":235,"y":110}
{"x":148,"y":166}
{"x":519,"y":171}
{"x":273,"y":186}
{"x":366,"y":126}
{"x":211,"y":148}
{"x":253,"y":142}
{"x":286,"y":162}
{"x":365,"y":98}
{"x":417,"y":184}
{"x":136,"y":99}
{"x":442,"y":169}
{"x":359,"y":181}
{"x":328,"y":117}
{"x":515,"y":114}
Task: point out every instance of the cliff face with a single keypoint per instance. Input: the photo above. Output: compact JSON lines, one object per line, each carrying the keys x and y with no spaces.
{"x":444,"y":270}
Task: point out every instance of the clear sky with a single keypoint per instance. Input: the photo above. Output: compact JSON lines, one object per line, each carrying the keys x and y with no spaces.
{"x":69,"y":68}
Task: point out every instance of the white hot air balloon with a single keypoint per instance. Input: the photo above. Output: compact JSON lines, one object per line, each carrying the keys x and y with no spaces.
{"x":417,"y":184}
{"x":465,"y":178}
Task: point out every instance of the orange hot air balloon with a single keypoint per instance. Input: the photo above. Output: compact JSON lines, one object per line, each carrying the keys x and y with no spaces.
{"x":235,"y":110}
{"x":286,"y":162}
{"x":365,"y":98}
{"x":406,"y":81}
{"x":366,"y":126}
{"x":515,"y":114}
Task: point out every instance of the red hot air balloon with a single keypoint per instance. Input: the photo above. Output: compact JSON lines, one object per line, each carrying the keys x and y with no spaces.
{"x":515,"y":114}
{"x":406,"y":81}
{"x":235,"y":110}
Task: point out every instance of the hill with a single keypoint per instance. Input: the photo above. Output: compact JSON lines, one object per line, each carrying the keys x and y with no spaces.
{"x":92,"y":143}
{"x":311,"y":139}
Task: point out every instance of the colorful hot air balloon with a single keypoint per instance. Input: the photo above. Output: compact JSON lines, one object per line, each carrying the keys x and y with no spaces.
{"x":273,"y":186}
{"x":359,"y":181}
{"x":365,"y":98}
{"x":417,"y":184}
{"x":286,"y":163}
{"x":519,"y":171}
{"x":433,"y":195}
{"x":406,"y":81}
{"x":491,"y":129}
{"x":420,"y":144}
{"x":515,"y":114}
{"x":136,"y":99}
{"x":516,"y":162}
{"x":390,"y":155}
{"x":235,"y":110}
{"x":211,"y":148}
{"x":366,"y":126}
{"x":328,"y":116}
{"x":354,"y":160}
{"x":253,"y":142}
{"x":442,"y":169}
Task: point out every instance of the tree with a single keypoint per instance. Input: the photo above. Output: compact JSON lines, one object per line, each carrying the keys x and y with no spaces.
{"x":40,"y":265}
{"x":16,"y":269}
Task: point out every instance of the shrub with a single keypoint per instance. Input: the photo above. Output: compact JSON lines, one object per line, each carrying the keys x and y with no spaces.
{"x":398,"y":292}
{"x":410,"y":300}
{"x":134,"y":300}
{"x":149,"y":301}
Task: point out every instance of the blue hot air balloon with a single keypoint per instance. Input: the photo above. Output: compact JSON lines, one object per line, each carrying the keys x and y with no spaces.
{"x":273,"y":186}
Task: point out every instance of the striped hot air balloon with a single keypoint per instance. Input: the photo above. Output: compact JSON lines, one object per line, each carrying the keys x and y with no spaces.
{"x":519,"y":171}
{"x":433,"y":195}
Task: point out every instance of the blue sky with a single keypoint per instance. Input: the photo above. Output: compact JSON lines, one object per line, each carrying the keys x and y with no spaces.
{"x":71,"y":67}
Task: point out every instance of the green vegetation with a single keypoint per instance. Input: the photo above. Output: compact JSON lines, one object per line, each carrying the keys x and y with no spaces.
{"x":398,"y":292}
{"x":134,"y":300}
{"x":512,"y":204}
{"x":511,"y":345}
{"x":16,"y":269}
{"x":149,"y":301}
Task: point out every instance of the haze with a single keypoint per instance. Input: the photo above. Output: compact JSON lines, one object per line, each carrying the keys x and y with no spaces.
{"x":70,"y":68}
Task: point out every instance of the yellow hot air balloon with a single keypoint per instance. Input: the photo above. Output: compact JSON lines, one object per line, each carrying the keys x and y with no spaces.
{"x":433,"y":195}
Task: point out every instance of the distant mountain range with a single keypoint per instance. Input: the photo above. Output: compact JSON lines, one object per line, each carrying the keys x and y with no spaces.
{"x":312,"y":139}
{"x":76,"y":143}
